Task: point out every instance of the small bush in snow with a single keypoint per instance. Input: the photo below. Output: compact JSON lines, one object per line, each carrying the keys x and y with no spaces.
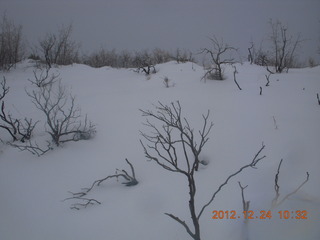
{"x":63,"y":118}
{"x":216,"y":54}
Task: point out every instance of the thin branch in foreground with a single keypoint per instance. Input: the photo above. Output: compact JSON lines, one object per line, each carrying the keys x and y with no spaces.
{"x":245,"y":204}
{"x":253,"y":163}
{"x":318,"y":98}
{"x":275,"y":202}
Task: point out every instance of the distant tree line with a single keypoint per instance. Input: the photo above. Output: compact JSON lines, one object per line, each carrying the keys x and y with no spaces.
{"x":60,"y":49}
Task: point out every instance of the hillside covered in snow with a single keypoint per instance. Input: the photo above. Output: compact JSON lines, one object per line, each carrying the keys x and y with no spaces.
{"x":283,"y":116}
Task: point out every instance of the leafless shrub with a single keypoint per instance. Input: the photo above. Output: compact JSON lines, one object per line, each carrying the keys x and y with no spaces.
{"x":283,"y":47}
{"x":161,"y":56}
{"x":216,"y":53}
{"x":163,"y":146}
{"x":130,"y":181}
{"x":183,"y":56}
{"x":166,"y":82}
{"x":19,"y":130}
{"x":144,"y":62}
{"x":11,"y":44}
{"x":42,"y":77}
{"x":103,"y":58}
{"x":59,"y":48}
{"x":63,"y":118}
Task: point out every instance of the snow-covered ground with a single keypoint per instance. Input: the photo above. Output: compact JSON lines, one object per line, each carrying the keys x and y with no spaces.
{"x":32,"y":188}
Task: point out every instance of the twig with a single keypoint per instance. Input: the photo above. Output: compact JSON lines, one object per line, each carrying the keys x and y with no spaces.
{"x":131,"y":181}
{"x":275,"y":122}
{"x":275,"y":202}
{"x":245,"y":204}
{"x":234,"y":77}
{"x":33,"y":148}
{"x":318,"y":98}
{"x":253,"y":163}
{"x":268,"y":81}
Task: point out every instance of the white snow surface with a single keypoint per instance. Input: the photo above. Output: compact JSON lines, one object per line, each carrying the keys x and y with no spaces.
{"x":32,"y":188}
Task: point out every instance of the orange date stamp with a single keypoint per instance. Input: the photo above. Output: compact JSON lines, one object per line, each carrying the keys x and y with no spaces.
{"x":283,"y":214}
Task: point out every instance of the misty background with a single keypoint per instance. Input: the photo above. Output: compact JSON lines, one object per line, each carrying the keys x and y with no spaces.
{"x":167,"y":24}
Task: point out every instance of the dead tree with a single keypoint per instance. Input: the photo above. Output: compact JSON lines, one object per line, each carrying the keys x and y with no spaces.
{"x":283,"y":47}
{"x":216,"y":53}
{"x":130,"y":181}
{"x":18,"y":130}
{"x":59,"y":48}
{"x":63,"y":118}
{"x":175,"y":135}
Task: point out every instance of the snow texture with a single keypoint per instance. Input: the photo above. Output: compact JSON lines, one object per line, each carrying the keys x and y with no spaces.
{"x":285,"y":118}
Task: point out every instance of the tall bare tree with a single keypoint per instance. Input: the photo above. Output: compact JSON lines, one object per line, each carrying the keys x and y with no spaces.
{"x":174,"y":137}
{"x":284,"y":46}
{"x":59,"y":48}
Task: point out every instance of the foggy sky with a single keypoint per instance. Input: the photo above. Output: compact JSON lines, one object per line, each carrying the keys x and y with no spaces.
{"x":167,"y":24}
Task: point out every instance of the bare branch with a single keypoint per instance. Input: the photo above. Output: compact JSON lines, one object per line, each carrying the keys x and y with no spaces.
{"x":253,"y":164}
{"x":33,"y":148}
{"x":275,"y":202}
{"x":18,"y":130}
{"x":234,"y":77}
{"x":183,"y":223}
{"x":130,"y":181}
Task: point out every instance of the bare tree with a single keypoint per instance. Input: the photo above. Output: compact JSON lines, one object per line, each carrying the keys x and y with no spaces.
{"x":59,"y":48}
{"x":63,"y":118}
{"x":217,"y":58}
{"x":11,"y":44}
{"x":283,"y":47}
{"x":173,"y":137}
{"x":19,"y":130}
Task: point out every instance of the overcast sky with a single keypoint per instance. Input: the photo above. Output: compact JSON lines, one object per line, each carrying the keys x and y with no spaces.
{"x":168,"y":24}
